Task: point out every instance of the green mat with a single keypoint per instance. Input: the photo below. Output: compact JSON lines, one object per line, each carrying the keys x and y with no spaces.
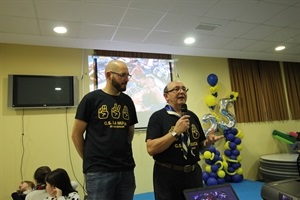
{"x":284,"y":137}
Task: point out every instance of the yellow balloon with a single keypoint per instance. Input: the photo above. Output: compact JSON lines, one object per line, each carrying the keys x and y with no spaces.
{"x":207,"y":154}
{"x":233,"y":95}
{"x":210,"y":100}
{"x":231,"y":160}
{"x":226,"y":145}
{"x":239,"y":147}
{"x":212,"y":156}
{"x":239,"y":158}
{"x":239,"y":171}
{"x":232,"y":173}
{"x":208,"y":168}
{"x":240,"y":134}
{"x":221,"y":164}
{"x":225,"y":164}
{"x":214,"y":89}
{"x":221,"y":173}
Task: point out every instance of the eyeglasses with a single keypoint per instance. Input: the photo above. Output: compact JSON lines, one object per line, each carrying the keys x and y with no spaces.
{"x":122,"y":75}
{"x":177,"y":89}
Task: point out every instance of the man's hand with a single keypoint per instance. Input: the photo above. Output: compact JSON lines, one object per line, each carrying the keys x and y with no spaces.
{"x":212,"y":138}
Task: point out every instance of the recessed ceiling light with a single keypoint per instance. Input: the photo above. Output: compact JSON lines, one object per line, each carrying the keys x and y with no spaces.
{"x":189,"y":40}
{"x":279,"y":48}
{"x":60,"y":29}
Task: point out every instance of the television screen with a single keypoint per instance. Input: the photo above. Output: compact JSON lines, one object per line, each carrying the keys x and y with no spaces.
{"x":40,"y":91}
{"x":145,"y":87}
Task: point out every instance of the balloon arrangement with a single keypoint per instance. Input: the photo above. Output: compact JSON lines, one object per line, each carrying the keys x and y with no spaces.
{"x":227,"y":168}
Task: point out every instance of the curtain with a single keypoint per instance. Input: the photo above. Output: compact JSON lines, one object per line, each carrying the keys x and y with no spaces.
{"x":273,"y":91}
{"x":260,"y":88}
{"x":132,"y":54}
{"x":292,"y":81}
{"x":244,"y":77}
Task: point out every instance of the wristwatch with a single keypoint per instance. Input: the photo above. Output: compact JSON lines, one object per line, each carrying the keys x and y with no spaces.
{"x":174,"y":134}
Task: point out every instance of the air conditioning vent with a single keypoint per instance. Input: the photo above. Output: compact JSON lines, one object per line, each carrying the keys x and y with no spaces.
{"x":207,"y":27}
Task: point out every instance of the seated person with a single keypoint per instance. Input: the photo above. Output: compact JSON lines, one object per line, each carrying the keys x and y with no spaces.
{"x":59,"y":187}
{"x":296,"y":149}
{"x":39,"y":192}
{"x":24,"y":188}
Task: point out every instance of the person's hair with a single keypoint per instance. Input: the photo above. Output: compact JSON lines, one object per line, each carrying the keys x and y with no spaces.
{"x":298,"y":136}
{"x":59,"y":178}
{"x":166,"y":89}
{"x":40,"y":174}
{"x":29,"y":183}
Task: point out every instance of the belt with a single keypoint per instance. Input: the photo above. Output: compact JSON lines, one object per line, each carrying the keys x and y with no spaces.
{"x":184,"y":168}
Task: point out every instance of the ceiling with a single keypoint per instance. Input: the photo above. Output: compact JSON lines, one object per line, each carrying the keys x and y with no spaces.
{"x":248,"y":29}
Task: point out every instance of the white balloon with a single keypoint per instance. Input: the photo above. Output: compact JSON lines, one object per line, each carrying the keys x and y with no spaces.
{"x":228,"y":115}
{"x":209,"y":118}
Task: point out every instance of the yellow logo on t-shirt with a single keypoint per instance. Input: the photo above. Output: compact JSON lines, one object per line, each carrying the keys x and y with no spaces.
{"x":121,"y":115}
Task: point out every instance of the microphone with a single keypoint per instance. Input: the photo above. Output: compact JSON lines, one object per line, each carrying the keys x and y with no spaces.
{"x":184,"y":109}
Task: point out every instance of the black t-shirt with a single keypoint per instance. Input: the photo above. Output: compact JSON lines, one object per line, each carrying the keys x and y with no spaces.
{"x":161,"y":123}
{"x":107,"y":147}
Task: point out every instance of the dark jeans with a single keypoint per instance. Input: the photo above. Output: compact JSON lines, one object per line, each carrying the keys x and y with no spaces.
{"x":110,"y":185}
{"x":169,"y":183}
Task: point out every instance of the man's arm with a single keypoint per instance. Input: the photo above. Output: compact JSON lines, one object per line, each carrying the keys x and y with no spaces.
{"x":130,"y":133}
{"x":77,"y":136}
{"x":158,"y":145}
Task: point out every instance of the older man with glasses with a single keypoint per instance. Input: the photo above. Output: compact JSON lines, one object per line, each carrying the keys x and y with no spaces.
{"x":174,"y":138}
{"x":107,"y":116}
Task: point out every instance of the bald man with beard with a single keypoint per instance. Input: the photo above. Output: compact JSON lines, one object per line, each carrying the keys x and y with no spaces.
{"x":107,"y":117}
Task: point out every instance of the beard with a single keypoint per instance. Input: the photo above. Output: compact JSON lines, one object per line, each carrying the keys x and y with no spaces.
{"x":118,"y":86}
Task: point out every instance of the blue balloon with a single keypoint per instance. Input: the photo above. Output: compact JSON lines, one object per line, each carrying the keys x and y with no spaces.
{"x":237,"y":141}
{"x":237,"y":178}
{"x":221,"y":180}
{"x":211,"y":148}
{"x":235,"y":152}
{"x":230,"y":169}
{"x":232,"y":145}
{"x":214,"y":168}
{"x":228,"y":178}
{"x":230,"y":137}
{"x":205,"y":176}
{"x":211,"y":181}
{"x":227,"y":152}
{"x":208,"y":161}
{"x":216,"y":158}
{"x":234,"y":131}
{"x":212,"y":79}
{"x":236,"y":165}
{"x":213,"y":175}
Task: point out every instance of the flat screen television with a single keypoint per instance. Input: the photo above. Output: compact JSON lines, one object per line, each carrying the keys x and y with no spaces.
{"x":42,"y":91}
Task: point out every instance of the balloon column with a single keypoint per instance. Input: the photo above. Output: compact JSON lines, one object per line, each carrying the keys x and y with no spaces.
{"x":221,"y":168}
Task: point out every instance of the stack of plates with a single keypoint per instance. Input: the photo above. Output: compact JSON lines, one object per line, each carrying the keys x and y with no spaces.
{"x":276,"y":167}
